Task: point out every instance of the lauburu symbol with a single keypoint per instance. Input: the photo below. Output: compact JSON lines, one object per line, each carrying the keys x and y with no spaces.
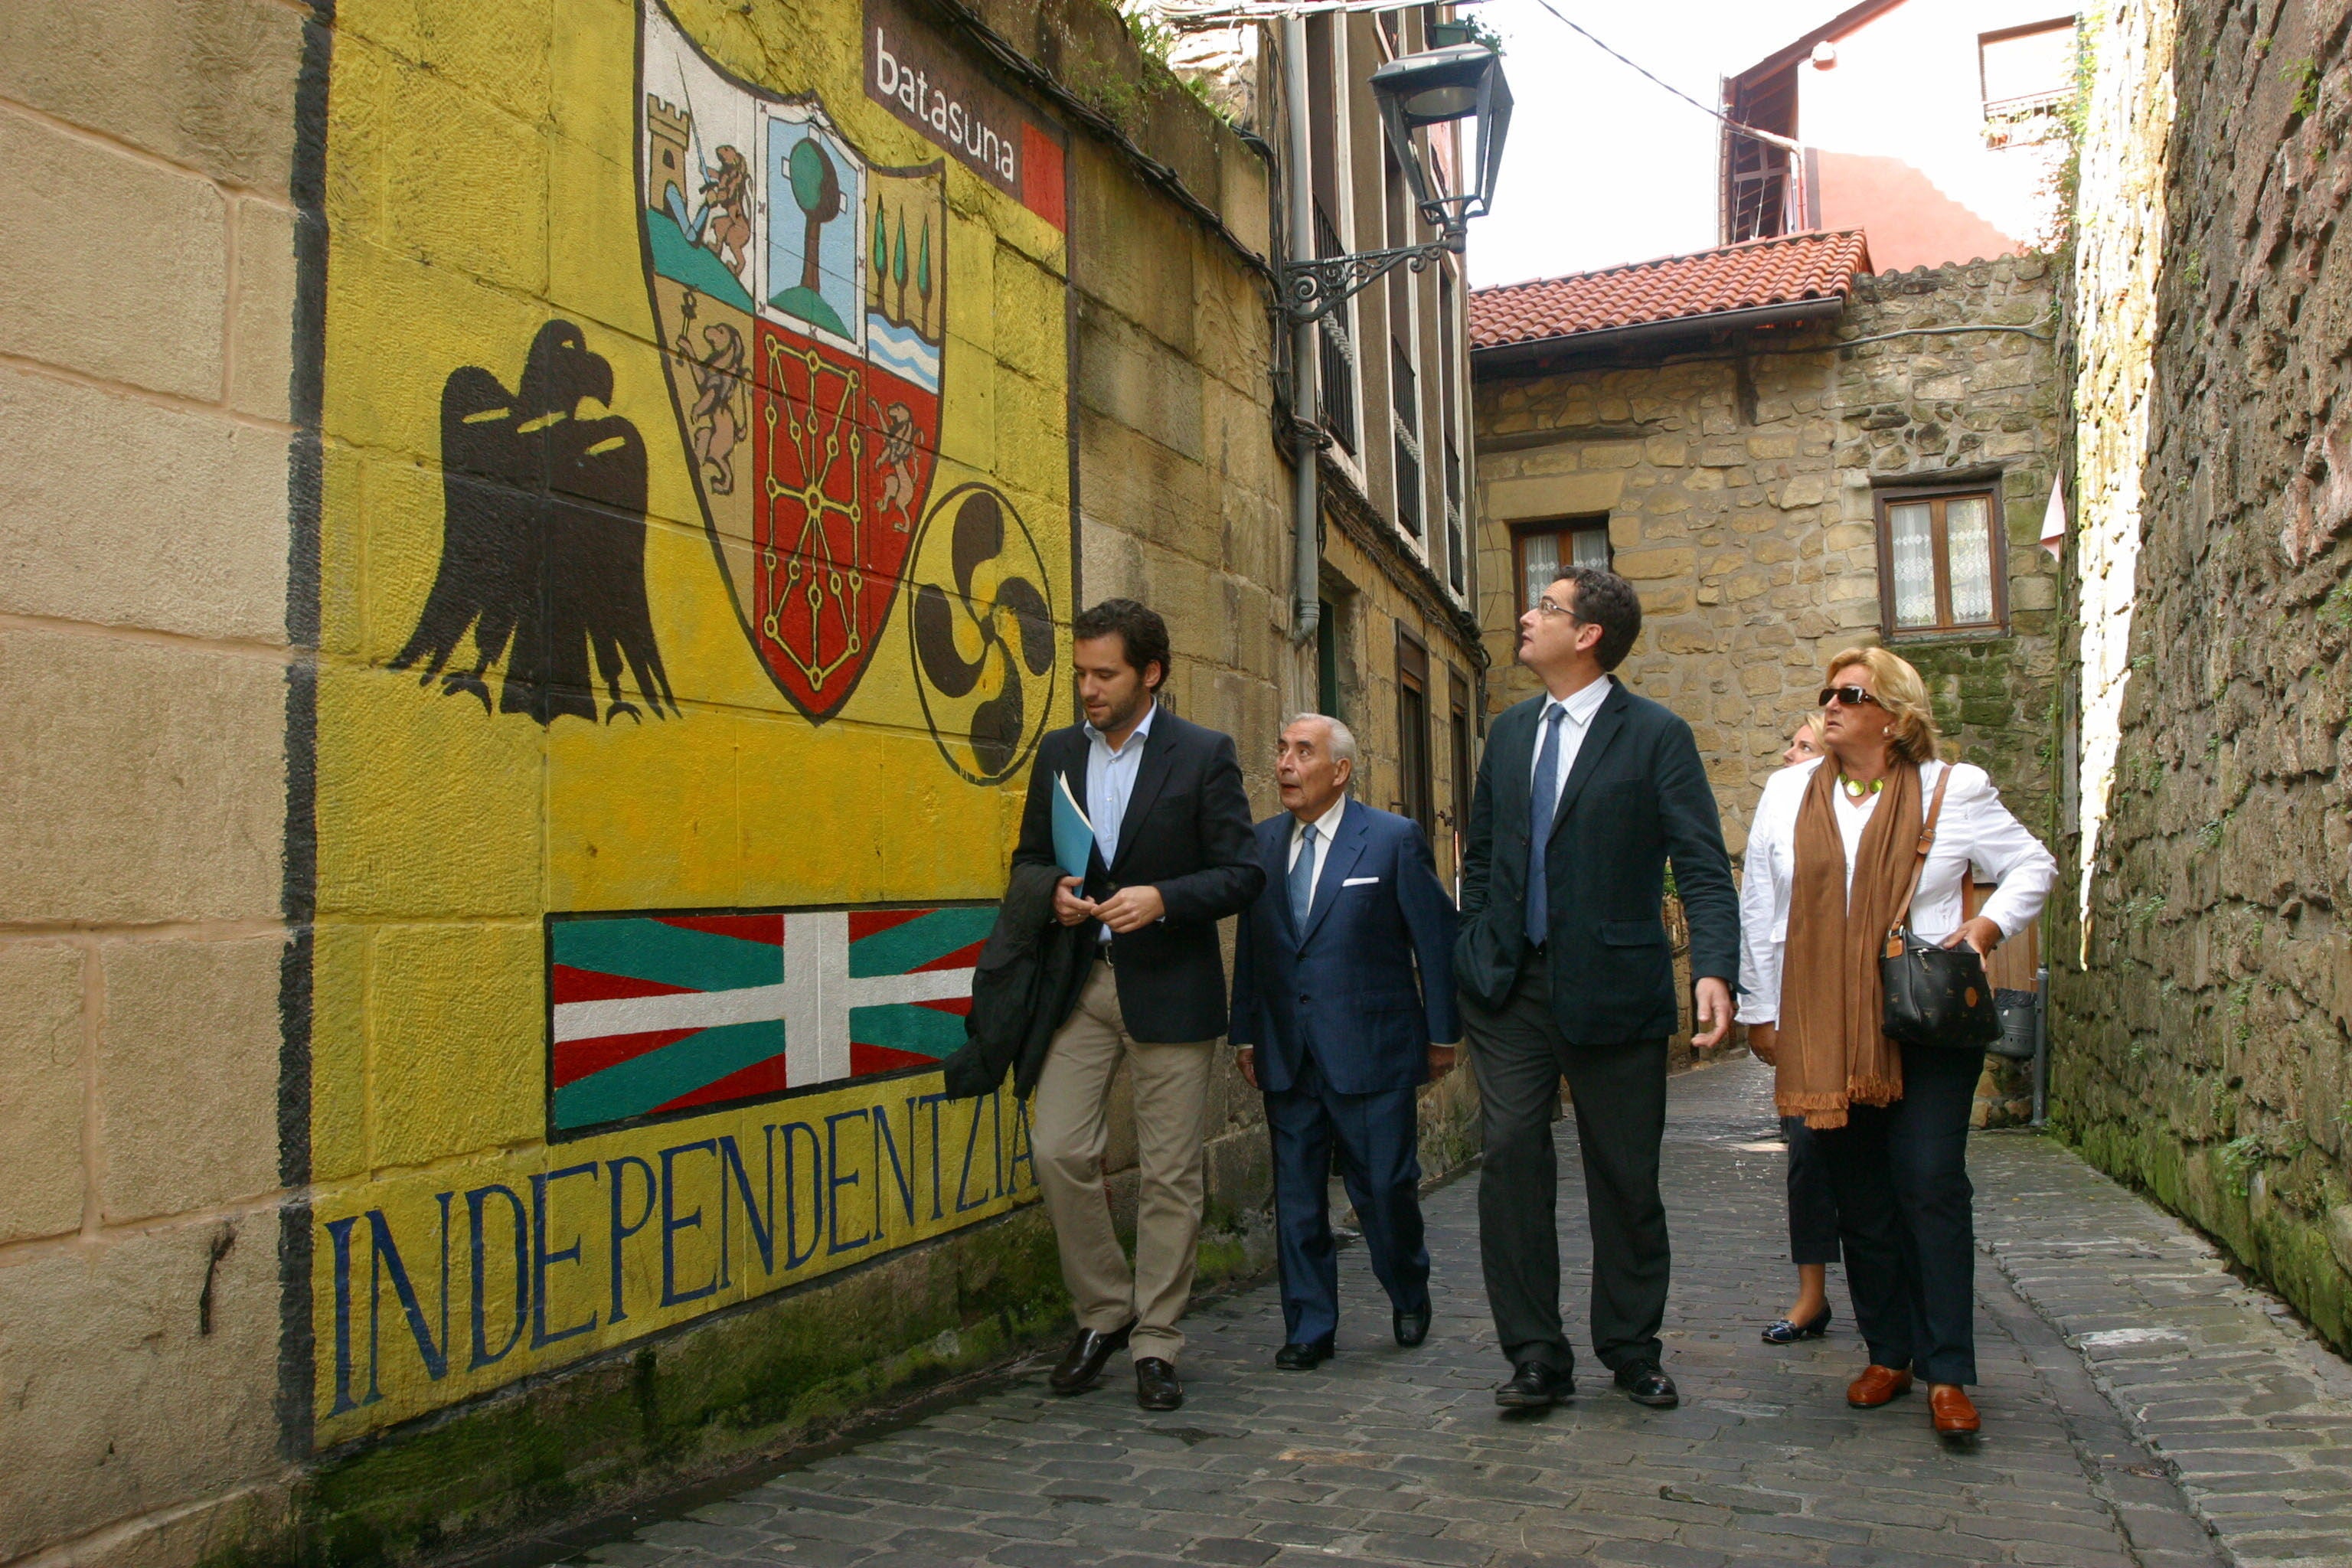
{"x":974,"y":642}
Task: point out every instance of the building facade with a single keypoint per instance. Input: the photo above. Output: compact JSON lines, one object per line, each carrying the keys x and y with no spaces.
{"x":1396,"y":650}
{"x":1933,"y":124}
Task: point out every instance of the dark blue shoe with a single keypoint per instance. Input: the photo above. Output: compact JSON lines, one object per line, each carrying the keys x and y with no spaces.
{"x":1787,"y":1333}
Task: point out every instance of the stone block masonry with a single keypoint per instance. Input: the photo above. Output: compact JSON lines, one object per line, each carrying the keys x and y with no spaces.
{"x":146,"y":308}
{"x":1738,"y":484}
{"x":2204,"y":1031}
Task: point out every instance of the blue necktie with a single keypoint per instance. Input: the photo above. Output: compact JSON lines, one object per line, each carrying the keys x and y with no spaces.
{"x":1302,"y":879}
{"x":1542,"y":802}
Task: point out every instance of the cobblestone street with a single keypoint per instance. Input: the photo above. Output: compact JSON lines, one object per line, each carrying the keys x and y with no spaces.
{"x":2141,"y":1407}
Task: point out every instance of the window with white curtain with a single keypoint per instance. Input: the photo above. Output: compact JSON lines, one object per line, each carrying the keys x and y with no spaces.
{"x":1545,"y":547}
{"x":1940,"y":556}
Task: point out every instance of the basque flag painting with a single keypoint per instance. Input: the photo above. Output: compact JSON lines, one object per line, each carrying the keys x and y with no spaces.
{"x":650,"y":1014}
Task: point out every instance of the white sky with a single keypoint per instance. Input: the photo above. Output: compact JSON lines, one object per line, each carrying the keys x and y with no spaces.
{"x":1602,"y":166}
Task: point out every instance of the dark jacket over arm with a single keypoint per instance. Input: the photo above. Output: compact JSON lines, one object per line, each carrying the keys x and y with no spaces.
{"x":1024,"y":987}
{"x":1187,"y":833}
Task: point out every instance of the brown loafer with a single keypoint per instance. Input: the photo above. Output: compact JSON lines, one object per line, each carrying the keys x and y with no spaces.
{"x":1875,"y":1387}
{"x":1955,"y":1412}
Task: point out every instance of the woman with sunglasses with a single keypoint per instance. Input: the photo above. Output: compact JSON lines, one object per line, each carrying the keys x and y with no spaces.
{"x":1829,"y":858}
{"x":1813,"y":1207}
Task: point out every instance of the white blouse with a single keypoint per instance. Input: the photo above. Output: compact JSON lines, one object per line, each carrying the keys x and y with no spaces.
{"x":1975,"y":829}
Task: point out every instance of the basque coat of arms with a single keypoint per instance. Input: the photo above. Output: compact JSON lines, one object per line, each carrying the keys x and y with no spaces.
{"x":800,"y":292}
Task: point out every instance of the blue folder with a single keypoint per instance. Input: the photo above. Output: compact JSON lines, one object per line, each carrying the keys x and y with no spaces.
{"x":1074,"y":836}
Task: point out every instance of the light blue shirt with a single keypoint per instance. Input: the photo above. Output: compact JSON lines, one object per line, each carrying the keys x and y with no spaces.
{"x":1110,"y":779}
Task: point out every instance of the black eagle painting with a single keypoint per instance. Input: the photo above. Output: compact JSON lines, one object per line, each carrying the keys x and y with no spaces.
{"x":543,"y":542}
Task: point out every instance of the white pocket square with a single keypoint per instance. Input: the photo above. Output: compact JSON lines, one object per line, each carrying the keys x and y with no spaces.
{"x":1360,"y":881}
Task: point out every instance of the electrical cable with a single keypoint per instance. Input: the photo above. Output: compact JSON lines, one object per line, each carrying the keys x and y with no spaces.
{"x":1717,"y":114}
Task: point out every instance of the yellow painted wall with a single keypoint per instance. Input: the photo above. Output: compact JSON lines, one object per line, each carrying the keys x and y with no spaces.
{"x":482,"y":181}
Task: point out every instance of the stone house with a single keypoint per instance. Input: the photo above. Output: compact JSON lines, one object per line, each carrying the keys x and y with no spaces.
{"x":1786,"y":454}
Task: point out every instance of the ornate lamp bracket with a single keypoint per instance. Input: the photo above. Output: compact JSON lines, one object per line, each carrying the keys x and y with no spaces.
{"x":1312,"y":289}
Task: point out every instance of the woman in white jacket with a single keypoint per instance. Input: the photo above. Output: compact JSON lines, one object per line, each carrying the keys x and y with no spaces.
{"x":1829,"y":857}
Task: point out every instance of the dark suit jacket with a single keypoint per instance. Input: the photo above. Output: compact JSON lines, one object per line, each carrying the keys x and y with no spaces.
{"x":1636,"y":798}
{"x":1347,"y":989}
{"x":1187,"y":832}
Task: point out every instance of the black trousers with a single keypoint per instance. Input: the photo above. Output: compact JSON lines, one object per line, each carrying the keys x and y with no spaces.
{"x":1519,"y":1053}
{"x":1905,"y":1214}
{"x":1812,"y":1201}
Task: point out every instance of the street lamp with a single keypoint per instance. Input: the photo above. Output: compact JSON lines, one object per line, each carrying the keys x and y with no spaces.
{"x":1414,"y":92}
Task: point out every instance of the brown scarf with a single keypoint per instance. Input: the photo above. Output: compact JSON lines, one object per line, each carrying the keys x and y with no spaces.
{"x":1831,"y":1048}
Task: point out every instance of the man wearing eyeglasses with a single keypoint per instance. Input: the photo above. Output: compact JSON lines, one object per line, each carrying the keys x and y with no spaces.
{"x":1585,"y":794}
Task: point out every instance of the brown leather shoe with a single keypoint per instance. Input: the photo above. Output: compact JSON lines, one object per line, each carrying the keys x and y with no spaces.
{"x":1875,"y":1387}
{"x":1955,"y":1412}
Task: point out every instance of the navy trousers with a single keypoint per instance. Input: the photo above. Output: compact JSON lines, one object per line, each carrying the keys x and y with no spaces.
{"x":1812,"y":1201}
{"x":1374,"y":1140}
{"x":1905,"y":1214}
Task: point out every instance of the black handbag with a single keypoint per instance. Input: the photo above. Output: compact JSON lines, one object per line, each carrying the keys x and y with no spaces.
{"x":1934,"y":995}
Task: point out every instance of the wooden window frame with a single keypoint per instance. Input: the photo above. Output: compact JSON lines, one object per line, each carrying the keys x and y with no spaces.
{"x":1997,"y":540}
{"x":1416,"y":786}
{"x":1462,"y":736}
{"x":1581,"y":522}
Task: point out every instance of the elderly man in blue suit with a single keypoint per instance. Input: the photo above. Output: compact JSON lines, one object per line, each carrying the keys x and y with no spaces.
{"x":1343,"y":1006}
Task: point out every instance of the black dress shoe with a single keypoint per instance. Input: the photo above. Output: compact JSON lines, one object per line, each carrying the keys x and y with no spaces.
{"x":1646,"y":1382}
{"x":1787,"y":1330}
{"x":1412,"y":1327}
{"x":1297,"y":1357}
{"x":1083,"y":1361}
{"x":1155,"y":1387}
{"x":1533,"y":1386}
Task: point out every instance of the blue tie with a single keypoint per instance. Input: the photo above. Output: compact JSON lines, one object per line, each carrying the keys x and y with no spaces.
{"x":1541,"y":803}
{"x":1302,"y":879}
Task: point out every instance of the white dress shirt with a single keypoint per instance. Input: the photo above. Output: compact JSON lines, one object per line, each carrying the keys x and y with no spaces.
{"x":1327,"y":826}
{"x":1110,"y":779}
{"x":1975,"y":829}
{"x":1580,"y":706}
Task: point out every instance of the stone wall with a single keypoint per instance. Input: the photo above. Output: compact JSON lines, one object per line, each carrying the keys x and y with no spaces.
{"x":1737,"y":485}
{"x":146,"y":297}
{"x":2201,"y":1043}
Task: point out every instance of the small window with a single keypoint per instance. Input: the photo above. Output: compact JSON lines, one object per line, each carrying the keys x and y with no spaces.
{"x":1543,"y":548}
{"x":2026,"y":68}
{"x":1940,"y":562}
{"x":1413,"y":799}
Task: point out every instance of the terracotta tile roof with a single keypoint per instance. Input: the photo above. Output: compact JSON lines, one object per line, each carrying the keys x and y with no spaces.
{"x":1777,"y":271}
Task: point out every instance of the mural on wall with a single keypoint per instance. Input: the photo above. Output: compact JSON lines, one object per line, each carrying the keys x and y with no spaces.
{"x":542,"y":541}
{"x":823,"y":334}
{"x":615,"y":1022}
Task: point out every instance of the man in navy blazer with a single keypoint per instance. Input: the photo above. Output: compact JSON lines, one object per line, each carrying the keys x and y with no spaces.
{"x":1343,"y":1006}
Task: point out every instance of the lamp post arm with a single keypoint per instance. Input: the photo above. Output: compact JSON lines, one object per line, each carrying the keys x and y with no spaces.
{"x":1313,"y":289}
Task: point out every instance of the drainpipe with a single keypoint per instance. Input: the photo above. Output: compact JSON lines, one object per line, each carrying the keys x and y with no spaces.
{"x":1307,"y":570}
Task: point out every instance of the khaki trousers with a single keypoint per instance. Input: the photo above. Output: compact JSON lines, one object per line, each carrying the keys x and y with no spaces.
{"x":1068,"y":1130}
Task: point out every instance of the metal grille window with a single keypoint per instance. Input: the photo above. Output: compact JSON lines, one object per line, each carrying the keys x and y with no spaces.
{"x":1940,"y":562}
{"x":1404,"y":416}
{"x":1338,"y":354}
